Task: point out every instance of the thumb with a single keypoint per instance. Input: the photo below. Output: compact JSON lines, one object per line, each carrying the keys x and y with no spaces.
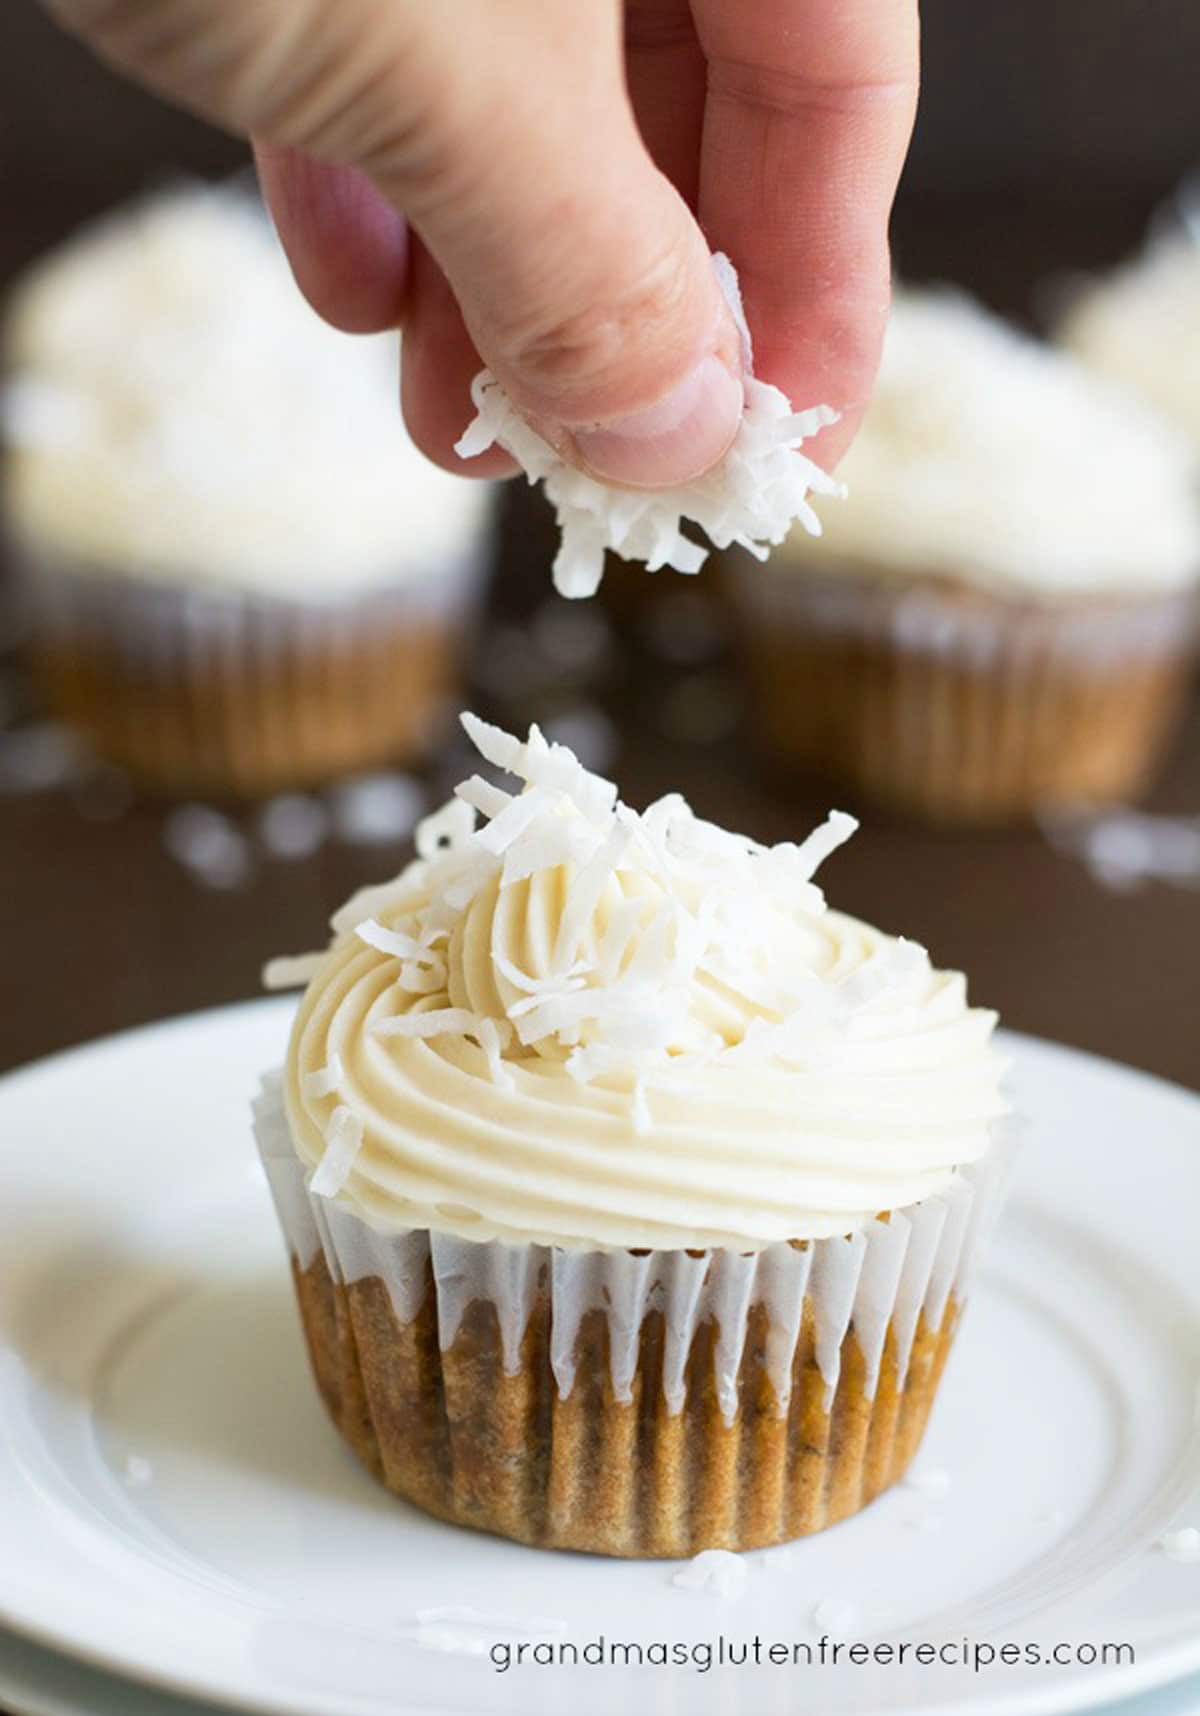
{"x":583,"y":279}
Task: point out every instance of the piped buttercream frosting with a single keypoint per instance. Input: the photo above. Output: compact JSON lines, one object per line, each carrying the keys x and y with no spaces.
{"x":570,"y":1023}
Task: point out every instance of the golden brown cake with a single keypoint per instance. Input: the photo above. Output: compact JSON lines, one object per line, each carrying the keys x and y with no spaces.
{"x":458,"y":1435}
{"x":579,"y":1152}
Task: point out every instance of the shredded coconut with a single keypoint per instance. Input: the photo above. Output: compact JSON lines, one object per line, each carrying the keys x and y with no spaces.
{"x":752,"y":497}
{"x":39,"y":758}
{"x":931,"y":1481}
{"x":325,"y":1080}
{"x":717,"y":1570}
{"x":458,"y":1630}
{"x":386,"y":940}
{"x":1125,"y":849}
{"x":492,"y":1040}
{"x":293,"y":825}
{"x":210,"y":846}
{"x":1182,"y":1545}
{"x":138,"y":1471}
{"x":650,"y":910}
{"x":343,"y":1141}
{"x":376,"y":810}
{"x":437,"y":1023}
{"x":446,"y":828}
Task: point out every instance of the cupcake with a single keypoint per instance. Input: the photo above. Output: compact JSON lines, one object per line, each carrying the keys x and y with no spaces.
{"x":632,"y":1197}
{"x":241,"y":574}
{"x":1000,"y":618}
{"x":1140,"y":328}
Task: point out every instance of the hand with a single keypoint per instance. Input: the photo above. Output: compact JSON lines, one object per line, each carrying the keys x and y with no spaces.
{"x":535,"y":185}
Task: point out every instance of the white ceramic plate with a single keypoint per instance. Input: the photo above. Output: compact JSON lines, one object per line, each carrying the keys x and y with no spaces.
{"x":175,"y":1508}
{"x":38,"y":1682}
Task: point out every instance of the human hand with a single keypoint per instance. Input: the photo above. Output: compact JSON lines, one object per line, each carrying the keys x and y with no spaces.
{"x":535,"y":185}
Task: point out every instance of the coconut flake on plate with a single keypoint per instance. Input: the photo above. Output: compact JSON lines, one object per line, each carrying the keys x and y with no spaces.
{"x":1182,"y":1545}
{"x":717,"y":1571}
{"x":752,"y":497}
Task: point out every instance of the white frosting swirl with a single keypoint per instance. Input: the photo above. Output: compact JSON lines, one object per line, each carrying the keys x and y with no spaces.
{"x":643,"y":1032}
{"x":176,"y":411}
{"x":1140,"y":327}
{"x":990,"y":458}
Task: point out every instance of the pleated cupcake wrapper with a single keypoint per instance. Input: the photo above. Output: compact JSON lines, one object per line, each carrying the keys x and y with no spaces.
{"x":967,"y":625}
{"x":222,"y":688}
{"x":963,"y":705}
{"x":890,"y":1276}
{"x":150,"y":612}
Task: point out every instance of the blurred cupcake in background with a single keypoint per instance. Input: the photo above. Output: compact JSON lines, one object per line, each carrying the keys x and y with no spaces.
{"x":241,"y":574}
{"x":1000,"y":619}
{"x":1140,"y":327}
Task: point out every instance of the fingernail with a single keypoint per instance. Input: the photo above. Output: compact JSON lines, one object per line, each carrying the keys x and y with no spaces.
{"x":672,"y":441}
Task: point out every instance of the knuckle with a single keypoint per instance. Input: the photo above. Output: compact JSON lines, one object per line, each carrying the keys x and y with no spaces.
{"x":791,"y":91}
{"x":603,"y":337}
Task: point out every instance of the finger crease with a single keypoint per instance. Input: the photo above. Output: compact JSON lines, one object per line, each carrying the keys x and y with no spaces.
{"x":776,"y":91}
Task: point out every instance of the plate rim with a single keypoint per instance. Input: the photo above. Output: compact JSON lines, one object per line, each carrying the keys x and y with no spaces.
{"x":1165,"y":1667}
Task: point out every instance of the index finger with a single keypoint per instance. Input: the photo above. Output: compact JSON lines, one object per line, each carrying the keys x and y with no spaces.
{"x":809,"y":114}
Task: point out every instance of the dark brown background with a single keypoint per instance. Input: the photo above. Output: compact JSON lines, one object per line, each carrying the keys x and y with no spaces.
{"x":1048,"y":134}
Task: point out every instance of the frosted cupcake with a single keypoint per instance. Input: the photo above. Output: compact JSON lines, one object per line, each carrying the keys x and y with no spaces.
{"x":1000,"y":617}
{"x":1140,"y":328}
{"x":242,"y":574}
{"x":632,"y":1197}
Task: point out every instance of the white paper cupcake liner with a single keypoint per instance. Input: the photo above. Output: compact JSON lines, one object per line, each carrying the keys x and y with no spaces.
{"x":157,"y":622}
{"x":892,"y":1274}
{"x":214,"y":688}
{"x":975,"y":627}
{"x":960,"y":705}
